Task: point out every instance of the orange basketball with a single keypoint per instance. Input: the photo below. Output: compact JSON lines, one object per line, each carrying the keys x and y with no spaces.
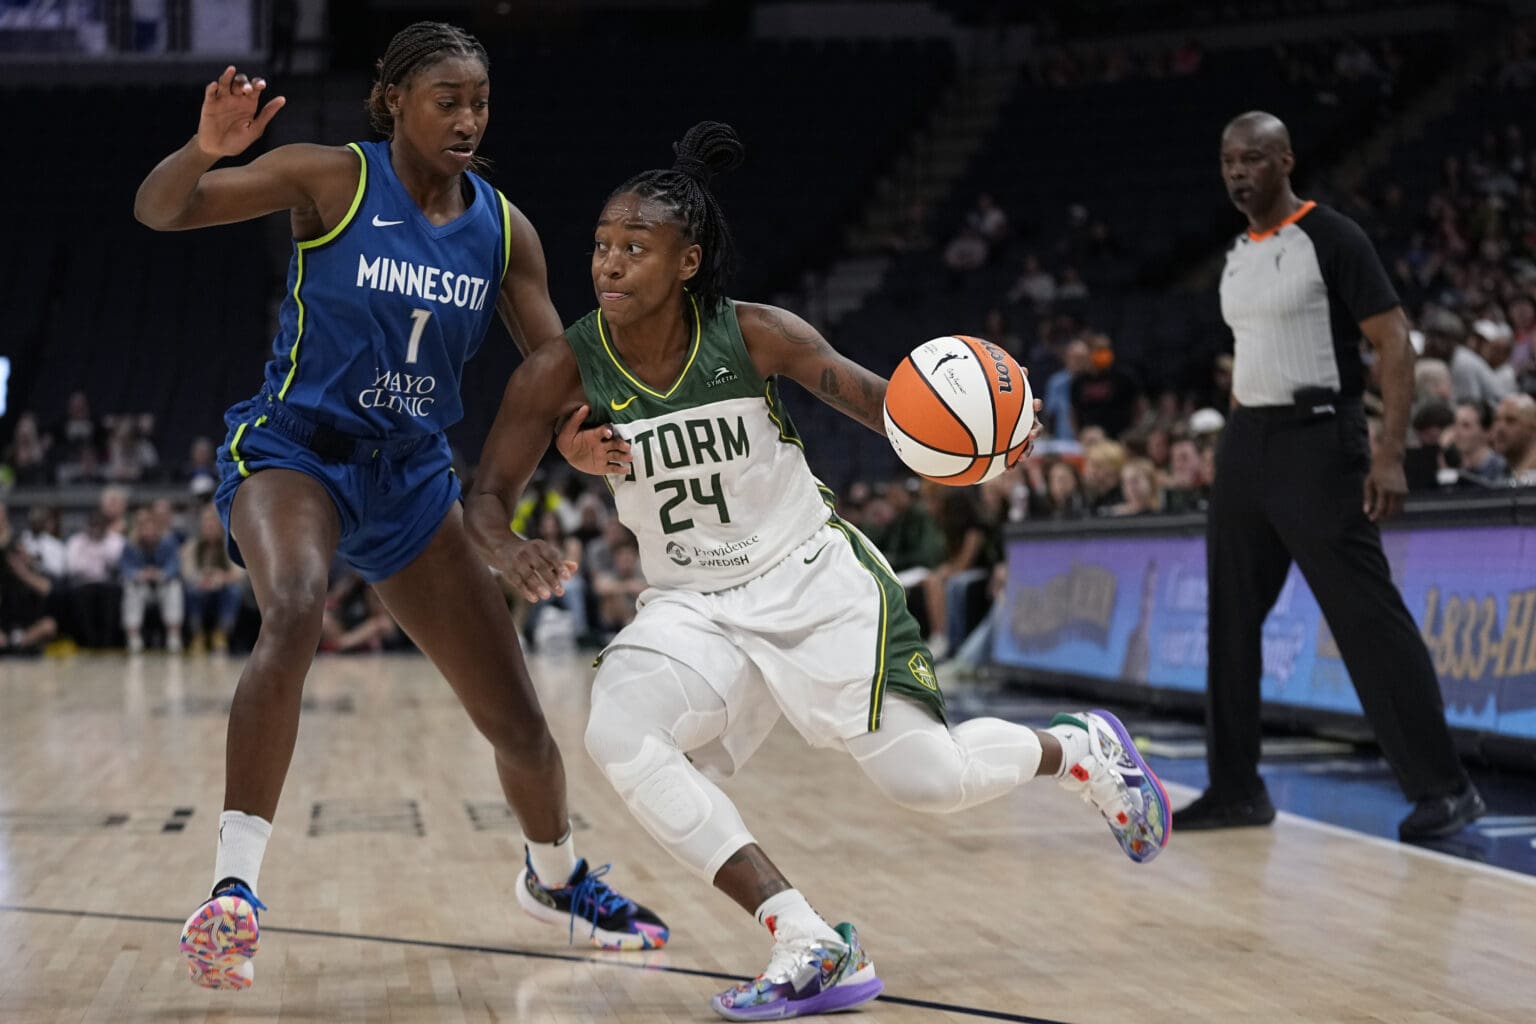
{"x":958,"y":410}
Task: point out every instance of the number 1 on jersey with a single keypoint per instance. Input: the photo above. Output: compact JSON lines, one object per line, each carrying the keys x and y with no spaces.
{"x":419,"y":318}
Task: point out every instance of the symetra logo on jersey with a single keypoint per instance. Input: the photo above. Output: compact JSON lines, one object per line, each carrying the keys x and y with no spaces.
{"x":433,"y":284}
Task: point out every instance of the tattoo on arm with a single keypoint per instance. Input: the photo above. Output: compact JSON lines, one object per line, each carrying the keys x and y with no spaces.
{"x":852,"y":389}
{"x":786,"y":330}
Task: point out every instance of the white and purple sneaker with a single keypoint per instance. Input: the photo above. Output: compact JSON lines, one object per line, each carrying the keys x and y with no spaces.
{"x":803,"y":977}
{"x":1115,"y":779}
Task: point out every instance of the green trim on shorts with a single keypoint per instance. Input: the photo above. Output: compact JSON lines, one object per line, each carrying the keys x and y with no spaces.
{"x":903,"y":663}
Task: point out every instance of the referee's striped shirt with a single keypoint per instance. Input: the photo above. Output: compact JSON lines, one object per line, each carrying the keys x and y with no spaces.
{"x":1294,"y":297}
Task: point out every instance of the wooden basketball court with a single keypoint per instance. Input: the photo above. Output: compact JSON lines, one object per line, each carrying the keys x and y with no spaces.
{"x":389,"y":873}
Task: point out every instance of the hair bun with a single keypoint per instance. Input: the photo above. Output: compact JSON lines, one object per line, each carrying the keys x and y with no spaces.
{"x":707,"y":149}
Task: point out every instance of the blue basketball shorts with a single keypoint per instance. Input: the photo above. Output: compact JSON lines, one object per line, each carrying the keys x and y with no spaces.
{"x":390,"y":499}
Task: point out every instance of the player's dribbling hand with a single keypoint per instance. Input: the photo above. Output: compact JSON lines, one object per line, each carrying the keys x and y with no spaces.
{"x":229,"y":121}
{"x":1034,"y":431}
{"x":535,"y":568}
{"x":597,"y":450}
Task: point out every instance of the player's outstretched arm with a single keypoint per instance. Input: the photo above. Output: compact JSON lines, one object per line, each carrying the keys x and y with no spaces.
{"x":183,"y":192}
{"x":542,"y":391}
{"x":781,"y":342}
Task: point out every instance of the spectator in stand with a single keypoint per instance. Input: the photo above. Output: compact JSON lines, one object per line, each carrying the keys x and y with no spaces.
{"x":1106,"y":395}
{"x":28,"y":453}
{"x":113,"y":505}
{"x":1057,"y":405}
{"x":1142,"y":488}
{"x":1055,"y":490}
{"x":151,"y":575}
{"x":124,"y":463}
{"x":79,"y":432}
{"x":1432,"y":382}
{"x":214,"y":586}
{"x":169,"y":516}
{"x":966,"y":252}
{"x":618,"y":586}
{"x":1522,"y":322}
{"x":1102,"y":463}
{"x":201,"y":474}
{"x":44,"y":543}
{"x":1472,"y":380}
{"x":1187,"y":489}
{"x":1497,"y":349}
{"x":1071,"y":288}
{"x":356,"y":620}
{"x":91,"y":558}
{"x":971,"y":548}
{"x":1514,"y":437}
{"x":1475,"y":455}
{"x":1034,"y":285}
{"x":905,"y":532}
{"x":1423,"y":459}
{"x":26,"y":596}
{"x":990,"y":221}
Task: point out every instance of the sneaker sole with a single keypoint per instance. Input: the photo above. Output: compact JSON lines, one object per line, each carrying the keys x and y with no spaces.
{"x":1153,"y":795}
{"x":218,"y":942}
{"x":648,"y":936}
{"x":839,"y":997}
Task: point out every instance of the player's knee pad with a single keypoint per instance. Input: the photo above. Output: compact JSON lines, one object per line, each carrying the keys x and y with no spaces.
{"x":662,"y":790}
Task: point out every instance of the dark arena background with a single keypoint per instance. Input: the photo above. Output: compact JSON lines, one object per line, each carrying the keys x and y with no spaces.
{"x":1043,"y":175}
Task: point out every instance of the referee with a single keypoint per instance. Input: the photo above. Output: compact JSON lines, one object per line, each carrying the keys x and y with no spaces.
{"x":1296,"y":479}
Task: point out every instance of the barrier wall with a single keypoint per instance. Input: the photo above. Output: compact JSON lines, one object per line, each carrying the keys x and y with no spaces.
{"x":1127,"y":603}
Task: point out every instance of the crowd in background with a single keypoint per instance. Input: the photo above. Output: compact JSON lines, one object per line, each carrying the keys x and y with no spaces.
{"x":1462,"y":256}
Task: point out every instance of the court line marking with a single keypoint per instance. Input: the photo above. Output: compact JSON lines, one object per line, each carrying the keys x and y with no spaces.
{"x":1291,"y":817}
{"x":531,"y":954}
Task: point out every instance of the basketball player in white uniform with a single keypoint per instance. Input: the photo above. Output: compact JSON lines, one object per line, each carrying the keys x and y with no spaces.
{"x":762,"y":601}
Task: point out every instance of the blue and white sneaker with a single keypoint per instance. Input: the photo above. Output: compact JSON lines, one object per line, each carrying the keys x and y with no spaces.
{"x":804,"y":976}
{"x":221,"y":936}
{"x":617,"y":921}
{"x":1115,"y":779}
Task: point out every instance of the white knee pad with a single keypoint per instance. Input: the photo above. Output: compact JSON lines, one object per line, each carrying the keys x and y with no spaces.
{"x":640,"y":710}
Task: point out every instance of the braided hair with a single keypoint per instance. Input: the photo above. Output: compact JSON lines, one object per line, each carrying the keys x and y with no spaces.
{"x":412,"y":47}
{"x":707,"y":148}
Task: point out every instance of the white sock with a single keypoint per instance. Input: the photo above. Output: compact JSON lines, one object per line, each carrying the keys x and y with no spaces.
{"x":242,"y":844}
{"x":1074,"y":746}
{"x":787,"y":915}
{"x":555,"y":862}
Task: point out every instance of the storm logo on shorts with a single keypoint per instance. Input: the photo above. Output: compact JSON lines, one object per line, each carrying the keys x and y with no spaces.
{"x":918,"y":665}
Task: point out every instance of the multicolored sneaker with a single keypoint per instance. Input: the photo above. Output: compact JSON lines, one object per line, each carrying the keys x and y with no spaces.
{"x":221,"y":937}
{"x":617,"y":922}
{"x":1115,"y":779}
{"x":805,"y":976}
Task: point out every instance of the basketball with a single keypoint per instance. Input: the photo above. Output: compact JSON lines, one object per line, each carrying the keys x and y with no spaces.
{"x":958,"y":410}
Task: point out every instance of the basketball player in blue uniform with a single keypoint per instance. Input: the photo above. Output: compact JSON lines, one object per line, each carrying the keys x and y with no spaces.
{"x":762,"y":601}
{"x":401,"y":256}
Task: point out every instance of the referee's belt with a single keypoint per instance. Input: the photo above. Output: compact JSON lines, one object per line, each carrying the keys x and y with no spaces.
{"x":334,"y":445}
{"x":1306,"y":407}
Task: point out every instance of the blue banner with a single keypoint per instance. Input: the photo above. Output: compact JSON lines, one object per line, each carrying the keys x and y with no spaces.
{"x":1133,"y":608}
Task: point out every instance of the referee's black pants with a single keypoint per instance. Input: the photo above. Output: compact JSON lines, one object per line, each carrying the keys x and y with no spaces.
{"x":1290,"y":485}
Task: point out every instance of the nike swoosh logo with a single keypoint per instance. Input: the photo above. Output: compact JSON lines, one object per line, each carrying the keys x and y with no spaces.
{"x":817,"y":555}
{"x":618,"y":406}
{"x":385,"y":223}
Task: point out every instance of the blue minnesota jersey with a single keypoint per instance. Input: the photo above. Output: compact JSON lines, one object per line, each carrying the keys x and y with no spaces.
{"x":383,"y":311}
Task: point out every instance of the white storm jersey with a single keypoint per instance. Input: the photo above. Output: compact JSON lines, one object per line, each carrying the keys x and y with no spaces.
{"x":719,"y":491}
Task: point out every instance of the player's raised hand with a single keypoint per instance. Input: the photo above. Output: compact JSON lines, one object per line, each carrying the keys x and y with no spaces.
{"x":230,"y":121}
